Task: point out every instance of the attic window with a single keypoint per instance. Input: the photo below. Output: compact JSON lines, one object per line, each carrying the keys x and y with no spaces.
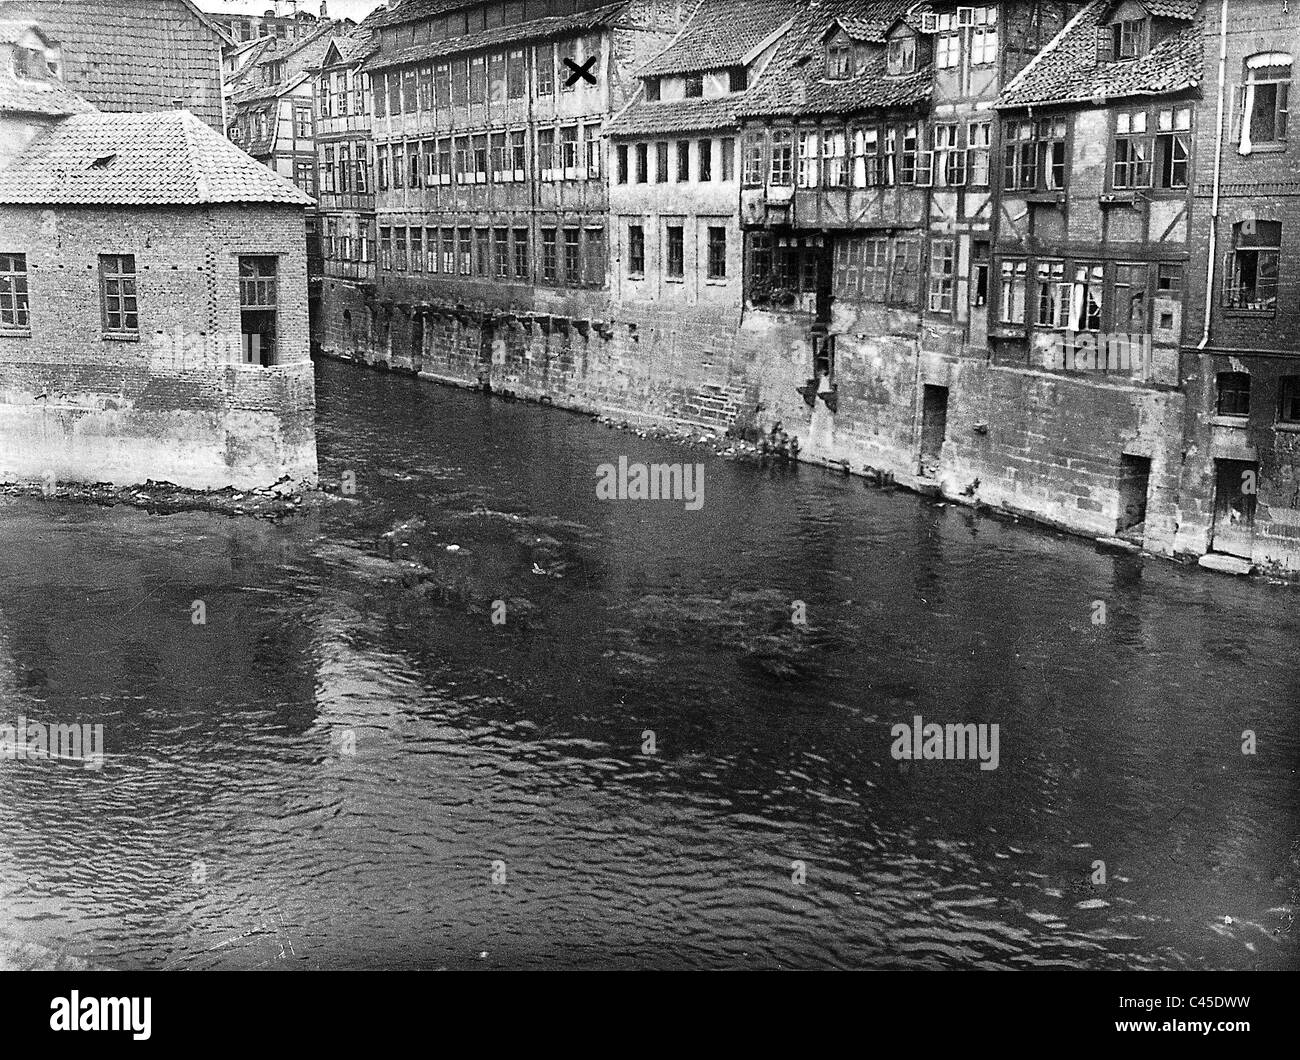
{"x":694,"y":86}
{"x":839,"y":59}
{"x":103,"y":161}
{"x":652,"y":89}
{"x":1129,"y":39}
{"x":30,"y":64}
{"x":902,"y":56}
{"x":738,"y":78}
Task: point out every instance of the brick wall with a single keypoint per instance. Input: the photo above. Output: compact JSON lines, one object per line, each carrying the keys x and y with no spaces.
{"x":170,"y":406}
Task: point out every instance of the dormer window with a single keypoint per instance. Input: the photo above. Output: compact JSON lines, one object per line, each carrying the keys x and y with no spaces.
{"x":30,"y":64}
{"x":902,"y":56}
{"x":738,"y":78}
{"x":694,"y":86}
{"x":652,"y":89}
{"x":1129,"y":39}
{"x":839,"y":58}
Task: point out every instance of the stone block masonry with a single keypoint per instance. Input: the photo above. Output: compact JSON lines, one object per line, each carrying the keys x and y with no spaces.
{"x":174,"y":402}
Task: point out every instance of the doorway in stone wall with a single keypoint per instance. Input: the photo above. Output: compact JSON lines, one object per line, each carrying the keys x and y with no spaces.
{"x":1134,"y":484}
{"x":934,"y":428}
{"x":1235,"y":487}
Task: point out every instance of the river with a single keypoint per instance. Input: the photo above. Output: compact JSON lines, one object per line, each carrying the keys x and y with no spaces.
{"x":648,"y":763}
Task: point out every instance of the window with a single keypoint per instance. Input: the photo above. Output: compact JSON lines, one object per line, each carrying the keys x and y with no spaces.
{"x":501,"y":253}
{"x":399,"y":249}
{"x":1132,"y":166}
{"x":1052,"y":294}
{"x":942,"y":258}
{"x":478,"y":79}
{"x":1289,"y":406}
{"x":1034,"y":155}
{"x":516,"y":74}
{"x":839,"y":58}
{"x":417,"y":249}
{"x":661,"y":162}
{"x":546,"y":153}
{"x":979,"y":295}
{"x":257,"y":308}
{"x":327,"y":184}
{"x":480,"y":146}
{"x":1234,"y":394}
{"x":518,"y":153}
{"x":1011,"y":291}
{"x":545,"y":69}
{"x":704,"y":160}
{"x":572,"y":258}
{"x":13,"y":293}
{"x":1129,"y":38}
{"x":1129,"y":299}
{"x":635,"y":250}
{"x":399,"y":165}
{"x":1261,"y":109}
{"x":808,"y":171}
{"x":594,"y":150}
{"x":459,"y":82}
{"x":717,"y":263}
{"x":676,"y":251}
{"x":449,"y":251}
{"x":642,"y":163}
{"x":385,"y":248}
{"x":834,"y":163}
{"x":947,"y":47}
{"x":464,"y":251}
{"x":653,"y":90}
{"x":482,"y":252}
{"x":978,"y":142}
{"x":1085,"y":298}
{"x":394,"y":81}
{"x":621,"y":154}
{"x":549,"y":261}
{"x":410,"y":96}
{"x":1252,"y":271}
{"x":569,"y":151}
{"x":902,"y":56}
{"x":345,"y":170}
{"x":425,"y":75}
{"x":1173,"y":146}
{"x":984,"y":37}
{"x":444,"y":161}
{"x":302,"y":122}
{"x":442,"y":84}
{"x":694,"y":86}
{"x":728,"y":158}
{"x":752,"y":167}
{"x":414,"y":171}
{"x":683,"y":161}
{"x":949,"y":158}
{"x":566,"y":53}
{"x":782,"y":158}
{"x":431,"y":249}
{"x":521,"y":253}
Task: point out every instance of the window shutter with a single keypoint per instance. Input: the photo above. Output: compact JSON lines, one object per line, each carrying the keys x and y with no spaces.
{"x":1105,"y":44}
{"x":1283,"y":91}
{"x":1238,"y":107}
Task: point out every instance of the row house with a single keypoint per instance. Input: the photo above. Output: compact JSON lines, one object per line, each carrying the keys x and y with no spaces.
{"x":153,"y":314}
{"x":489,"y":164}
{"x":1241,"y":352}
{"x":346,"y":196}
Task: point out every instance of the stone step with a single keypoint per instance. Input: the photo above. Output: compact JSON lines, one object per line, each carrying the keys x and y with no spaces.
{"x":1117,"y":544}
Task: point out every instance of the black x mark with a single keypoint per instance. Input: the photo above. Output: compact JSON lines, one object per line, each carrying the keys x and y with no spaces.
{"x":582,"y":71}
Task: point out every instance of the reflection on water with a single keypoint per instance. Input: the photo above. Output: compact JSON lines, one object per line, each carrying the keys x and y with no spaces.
{"x":230,"y":825}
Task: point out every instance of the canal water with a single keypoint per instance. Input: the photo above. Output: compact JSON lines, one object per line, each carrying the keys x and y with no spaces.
{"x":348,"y":763}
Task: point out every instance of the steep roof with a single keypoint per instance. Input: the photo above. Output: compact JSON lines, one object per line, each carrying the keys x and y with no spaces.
{"x":46,"y":96}
{"x":720,"y":34}
{"x":538,"y":28}
{"x":1067,"y":70}
{"x":795,"y":81}
{"x":170,"y":158}
{"x":355,"y":45}
{"x":412,"y":10}
{"x":298,"y":58}
{"x":1183,"y":9}
{"x":656,"y":118}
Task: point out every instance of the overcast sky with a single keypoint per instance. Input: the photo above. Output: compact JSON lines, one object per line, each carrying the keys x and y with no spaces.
{"x":355,"y":9}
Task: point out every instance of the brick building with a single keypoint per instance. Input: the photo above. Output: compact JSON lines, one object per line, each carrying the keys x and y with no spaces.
{"x":1241,"y":353}
{"x":134,"y":56}
{"x":153,"y":314}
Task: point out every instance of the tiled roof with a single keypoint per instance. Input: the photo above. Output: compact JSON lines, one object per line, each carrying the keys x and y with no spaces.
{"x":721,"y":34}
{"x":1067,"y":71}
{"x":1184,"y":9}
{"x":48,"y":96}
{"x":302,"y":56}
{"x":676,"y":116}
{"x":166,"y":159}
{"x":412,"y":10}
{"x":538,"y":28}
{"x":795,"y":82}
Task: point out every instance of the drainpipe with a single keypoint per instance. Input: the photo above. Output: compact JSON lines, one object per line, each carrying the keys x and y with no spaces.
{"x":1218,"y":171}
